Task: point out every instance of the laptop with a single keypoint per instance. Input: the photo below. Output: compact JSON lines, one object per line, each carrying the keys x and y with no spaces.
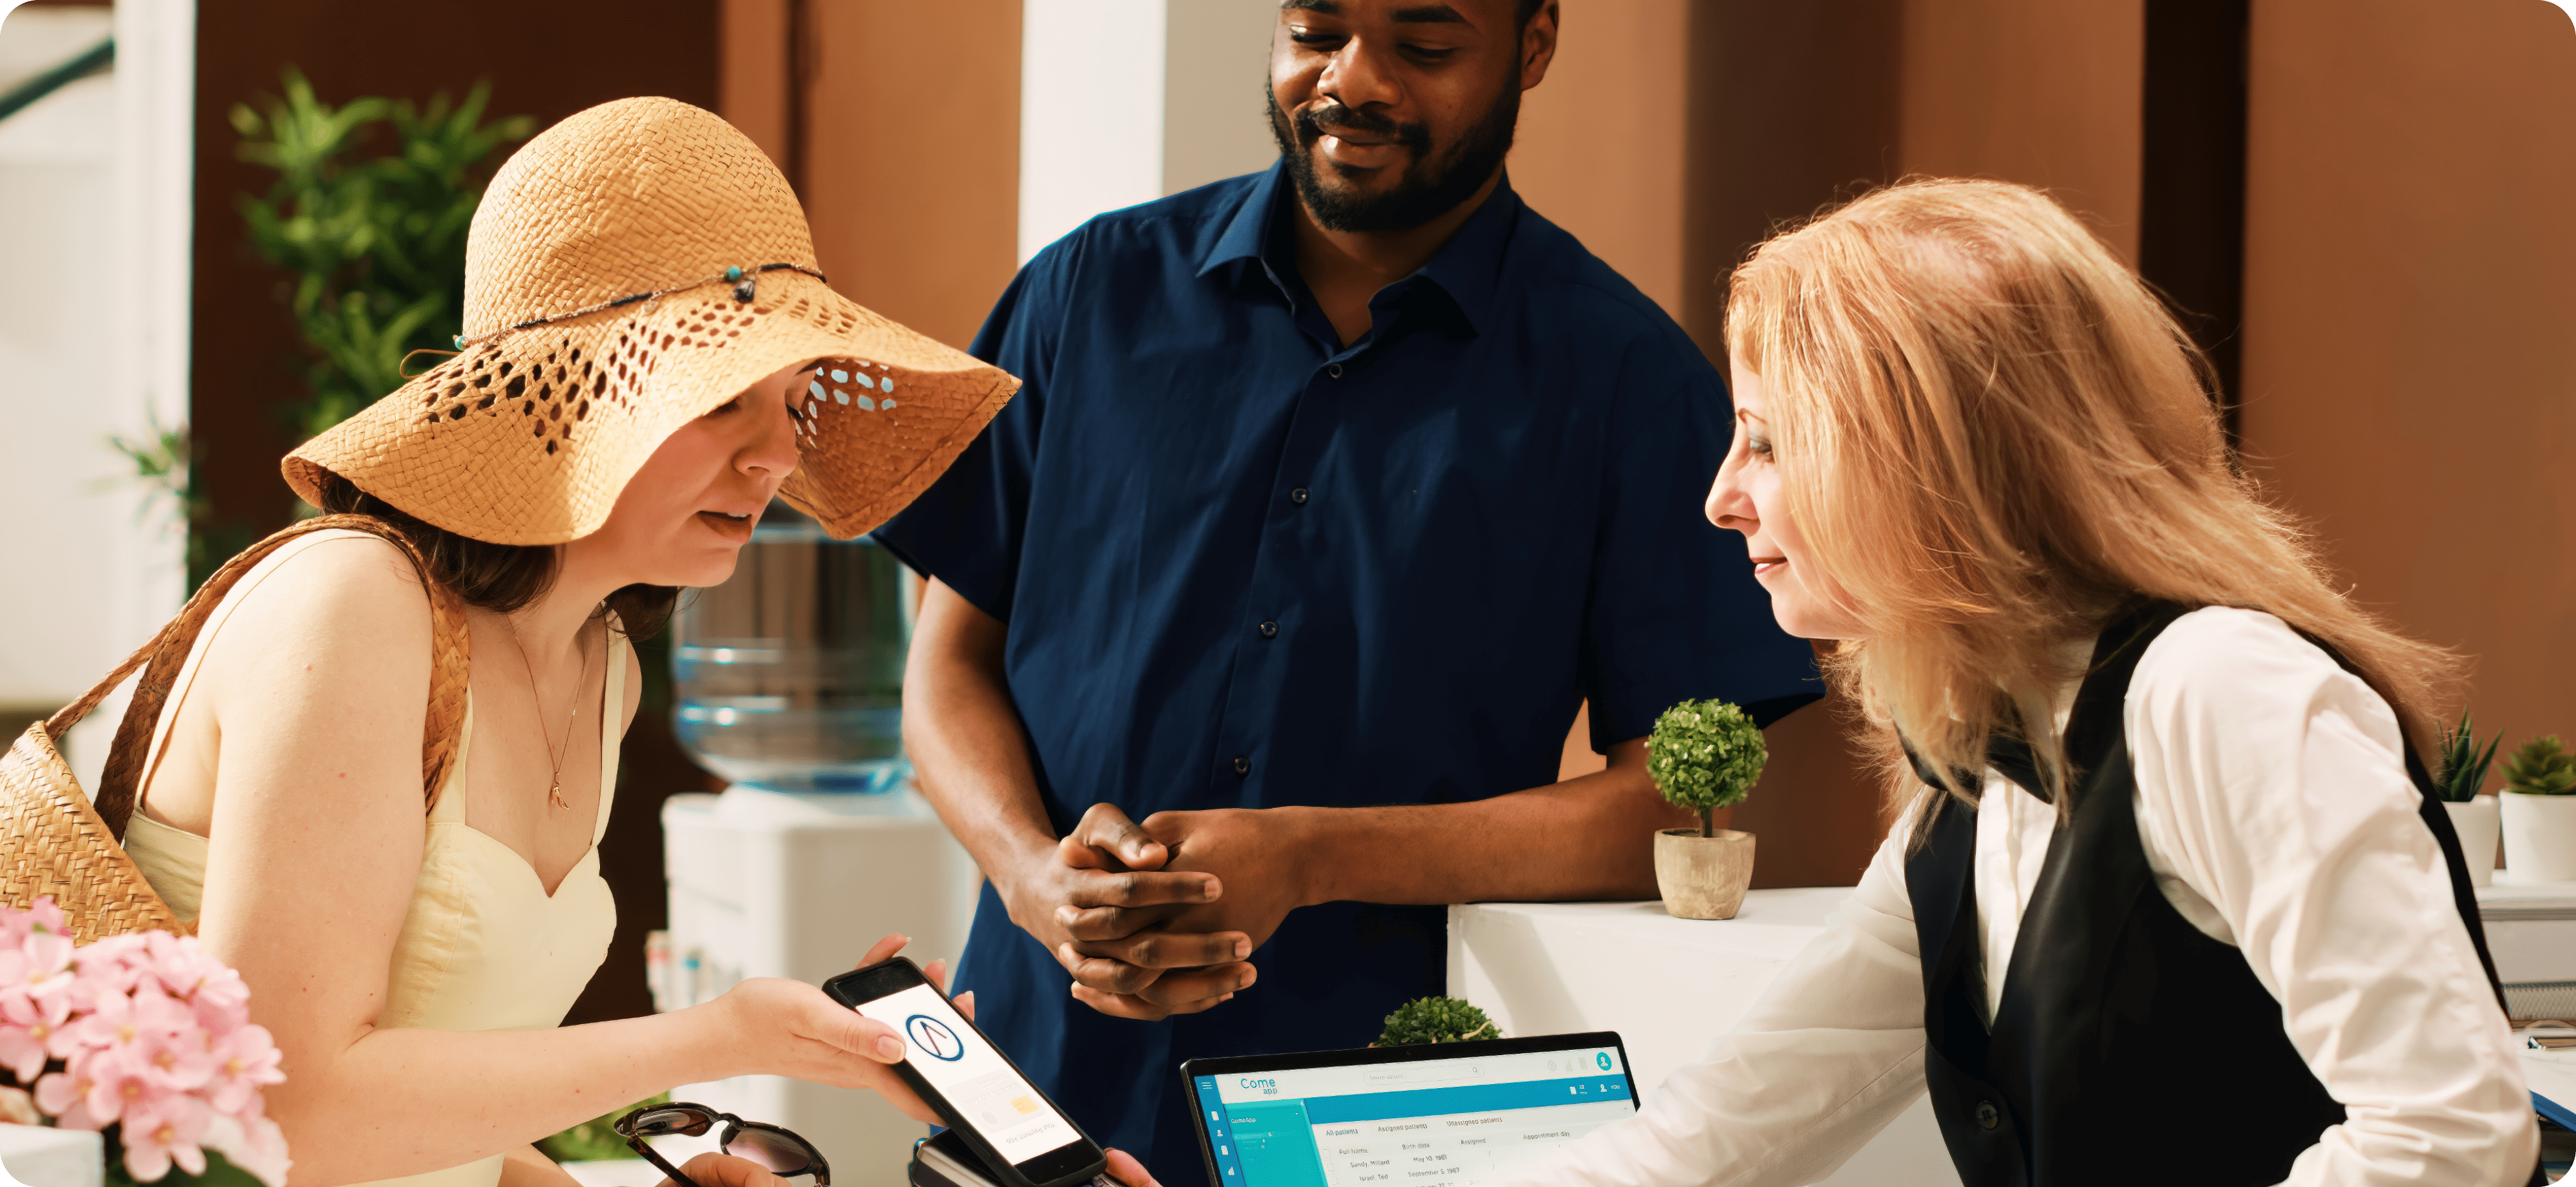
{"x":1451,"y":1113}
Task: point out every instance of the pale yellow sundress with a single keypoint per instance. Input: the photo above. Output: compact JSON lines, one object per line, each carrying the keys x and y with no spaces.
{"x":484,"y":947}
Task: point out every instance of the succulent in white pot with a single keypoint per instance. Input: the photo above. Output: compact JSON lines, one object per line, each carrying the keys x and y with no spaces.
{"x":2539,"y":812}
{"x":2473,"y":816}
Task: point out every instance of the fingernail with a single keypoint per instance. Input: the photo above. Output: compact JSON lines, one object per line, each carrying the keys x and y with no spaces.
{"x":1249,"y":975}
{"x":890,"y":1047}
{"x":1208,"y":889}
{"x":1243,"y":948}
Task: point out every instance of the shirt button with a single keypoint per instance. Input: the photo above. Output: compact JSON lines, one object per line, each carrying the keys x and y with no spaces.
{"x":1298,"y":496}
{"x":1269,"y":629}
{"x":1987,"y":1118}
{"x":1335,"y":370}
{"x":1243,"y":766}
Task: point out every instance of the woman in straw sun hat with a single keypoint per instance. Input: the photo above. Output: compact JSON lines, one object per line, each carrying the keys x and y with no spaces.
{"x":650,"y":354}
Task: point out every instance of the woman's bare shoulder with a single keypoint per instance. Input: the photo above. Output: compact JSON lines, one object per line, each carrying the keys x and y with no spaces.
{"x":346,"y":595}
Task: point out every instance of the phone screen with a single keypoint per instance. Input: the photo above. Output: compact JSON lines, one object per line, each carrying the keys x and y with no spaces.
{"x":1006,"y":1110}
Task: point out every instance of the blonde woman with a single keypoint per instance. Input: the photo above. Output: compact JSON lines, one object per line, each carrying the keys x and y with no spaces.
{"x":2164,"y":903}
{"x":650,"y":355}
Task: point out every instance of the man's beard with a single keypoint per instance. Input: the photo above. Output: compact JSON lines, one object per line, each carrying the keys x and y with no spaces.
{"x":1433,"y":186}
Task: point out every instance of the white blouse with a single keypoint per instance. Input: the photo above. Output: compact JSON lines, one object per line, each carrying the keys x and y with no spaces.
{"x":2277,"y":816}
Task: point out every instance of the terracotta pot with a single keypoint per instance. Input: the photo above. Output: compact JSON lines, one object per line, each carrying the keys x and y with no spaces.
{"x":1703,"y":877}
{"x":2475,"y":821}
{"x":2539,"y":837}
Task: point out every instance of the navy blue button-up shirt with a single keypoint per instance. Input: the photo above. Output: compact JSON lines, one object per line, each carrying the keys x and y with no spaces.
{"x":1244,"y":565}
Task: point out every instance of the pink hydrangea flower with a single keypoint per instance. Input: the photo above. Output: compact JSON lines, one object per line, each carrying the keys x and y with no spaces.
{"x":162,"y":1131}
{"x":245,"y":1061}
{"x":28,"y":1025}
{"x":154,"y":1037}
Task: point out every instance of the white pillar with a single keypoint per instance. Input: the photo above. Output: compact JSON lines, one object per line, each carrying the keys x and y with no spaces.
{"x":1125,"y":101}
{"x":95,"y":190}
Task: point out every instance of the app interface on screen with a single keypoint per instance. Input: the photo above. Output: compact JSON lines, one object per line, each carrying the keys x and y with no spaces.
{"x":1438,"y":1121}
{"x":957,"y":1061}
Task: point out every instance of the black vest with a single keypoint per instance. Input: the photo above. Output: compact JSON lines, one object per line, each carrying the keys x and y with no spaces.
{"x":2128,"y":1047}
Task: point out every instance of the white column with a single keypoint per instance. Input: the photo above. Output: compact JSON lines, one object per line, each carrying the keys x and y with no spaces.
{"x":1091,"y":112}
{"x":1216,"y":68}
{"x":1125,"y":101}
{"x":95,"y":192}
{"x":154,"y":208}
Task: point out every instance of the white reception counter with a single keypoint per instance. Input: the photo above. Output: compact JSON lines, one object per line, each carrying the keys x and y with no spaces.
{"x":1670,"y":985}
{"x":1666,"y":985}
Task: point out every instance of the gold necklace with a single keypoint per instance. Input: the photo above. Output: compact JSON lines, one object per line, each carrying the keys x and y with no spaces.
{"x":554,"y":791}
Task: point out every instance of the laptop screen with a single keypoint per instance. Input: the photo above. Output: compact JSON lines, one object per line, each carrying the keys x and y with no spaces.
{"x":1462,"y":1120}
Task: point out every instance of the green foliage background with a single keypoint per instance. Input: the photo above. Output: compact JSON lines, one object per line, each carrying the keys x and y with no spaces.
{"x":367,"y":218}
{"x":375,"y":244}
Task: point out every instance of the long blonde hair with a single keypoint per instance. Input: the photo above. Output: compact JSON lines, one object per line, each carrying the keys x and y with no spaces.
{"x":1995,"y":437}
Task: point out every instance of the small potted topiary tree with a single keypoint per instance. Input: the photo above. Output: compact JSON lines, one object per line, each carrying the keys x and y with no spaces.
{"x":2540,"y":812}
{"x":1435,"y":1020}
{"x":2473,"y":816}
{"x":1704,"y":755}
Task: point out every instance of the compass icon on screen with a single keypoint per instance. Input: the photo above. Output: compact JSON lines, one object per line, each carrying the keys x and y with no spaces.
{"x":934,"y":1037}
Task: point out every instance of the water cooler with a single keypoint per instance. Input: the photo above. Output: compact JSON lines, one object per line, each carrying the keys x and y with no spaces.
{"x":788,"y":681}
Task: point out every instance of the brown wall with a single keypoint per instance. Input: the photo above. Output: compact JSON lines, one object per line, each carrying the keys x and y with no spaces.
{"x":1601,"y":142}
{"x":914,"y":165}
{"x":2036,"y":91}
{"x":2410,"y":292}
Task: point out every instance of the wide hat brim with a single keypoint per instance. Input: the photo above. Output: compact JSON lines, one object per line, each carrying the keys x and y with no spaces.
{"x":530,"y":438}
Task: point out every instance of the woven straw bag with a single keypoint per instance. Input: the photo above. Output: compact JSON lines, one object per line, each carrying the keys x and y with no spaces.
{"x":55,"y":842}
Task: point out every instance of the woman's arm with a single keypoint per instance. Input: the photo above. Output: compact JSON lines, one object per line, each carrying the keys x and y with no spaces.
{"x":318,"y":685}
{"x":2276,"y":812}
{"x":1831,"y":1053}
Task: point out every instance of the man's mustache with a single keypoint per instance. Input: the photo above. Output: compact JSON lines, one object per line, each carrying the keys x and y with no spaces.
{"x":1313,"y":122}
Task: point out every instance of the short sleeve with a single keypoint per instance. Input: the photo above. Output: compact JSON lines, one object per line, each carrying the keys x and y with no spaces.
{"x":967,"y":529}
{"x":1675,"y":613}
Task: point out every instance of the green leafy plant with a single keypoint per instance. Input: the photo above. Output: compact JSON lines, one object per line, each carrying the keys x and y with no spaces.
{"x":165,"y":463}
{"x":2464,"y":766}
{"x":1705,"y":755}
{"x":2541,"y":767}
{"x":375,"y":243}
{"x":1435,"y":1020}
{"x":594,"y":1140}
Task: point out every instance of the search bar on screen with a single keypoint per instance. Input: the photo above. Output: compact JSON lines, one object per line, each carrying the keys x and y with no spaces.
{"x":1423,"y":1077}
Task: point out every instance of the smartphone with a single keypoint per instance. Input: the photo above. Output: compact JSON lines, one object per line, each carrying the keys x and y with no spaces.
{"x":1022,"y":1137}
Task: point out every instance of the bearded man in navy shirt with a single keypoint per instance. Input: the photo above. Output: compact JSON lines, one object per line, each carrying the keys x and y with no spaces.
{"x":1256,"y":620}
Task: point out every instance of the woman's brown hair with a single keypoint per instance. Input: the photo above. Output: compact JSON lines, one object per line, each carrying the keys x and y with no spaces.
{"x":495,"y":577}
{"x":1996,"y":437}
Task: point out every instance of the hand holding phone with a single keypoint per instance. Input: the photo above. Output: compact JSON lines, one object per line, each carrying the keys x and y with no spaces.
{"x":1020,"y":1134}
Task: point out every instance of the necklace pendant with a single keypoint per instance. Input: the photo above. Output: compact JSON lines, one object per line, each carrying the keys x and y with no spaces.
{"x":554,"y":795}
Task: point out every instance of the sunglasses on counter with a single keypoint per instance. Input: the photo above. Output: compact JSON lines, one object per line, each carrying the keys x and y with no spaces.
{"x":784,"y":1153}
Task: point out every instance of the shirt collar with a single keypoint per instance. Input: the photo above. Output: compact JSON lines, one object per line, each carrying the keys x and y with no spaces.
{"x":1467,"y":269}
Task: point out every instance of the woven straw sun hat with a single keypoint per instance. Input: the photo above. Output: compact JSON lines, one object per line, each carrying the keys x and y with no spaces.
{"x":629,"y":270}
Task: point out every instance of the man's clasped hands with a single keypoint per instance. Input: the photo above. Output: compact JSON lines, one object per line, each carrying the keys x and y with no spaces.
{"x":1159,"y":918}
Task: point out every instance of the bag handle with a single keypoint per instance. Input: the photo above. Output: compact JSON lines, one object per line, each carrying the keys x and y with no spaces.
{"x":450,"y":665}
